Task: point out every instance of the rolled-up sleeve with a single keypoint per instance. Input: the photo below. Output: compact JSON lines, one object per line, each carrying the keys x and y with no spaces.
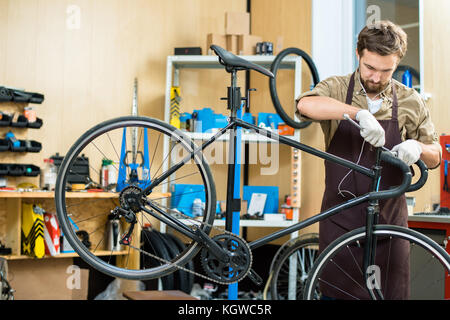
{"x":322,"y":89}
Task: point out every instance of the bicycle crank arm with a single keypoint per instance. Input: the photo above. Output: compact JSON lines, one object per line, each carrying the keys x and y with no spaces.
{"x":195,"y":233}
{"x":256,"y":278}
{"x":211,"y":245}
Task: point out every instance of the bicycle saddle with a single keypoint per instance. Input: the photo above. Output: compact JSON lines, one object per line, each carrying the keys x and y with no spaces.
{"x":231,"y":61}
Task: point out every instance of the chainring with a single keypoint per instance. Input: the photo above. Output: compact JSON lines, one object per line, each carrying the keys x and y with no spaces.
{"x":238,"y":265}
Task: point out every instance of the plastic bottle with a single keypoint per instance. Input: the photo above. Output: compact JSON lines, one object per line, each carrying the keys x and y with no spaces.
{"x":104,"y":173}
{"x":113,"y":233}
{"x":197,"y":208}
{"x":286,"y":208}
{"x":407,"y":79}
{"x":48,"y":175}
{"x":112,"y":173}
{"x":30,"y":114}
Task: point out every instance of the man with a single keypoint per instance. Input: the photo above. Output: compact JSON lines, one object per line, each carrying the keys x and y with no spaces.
{"x":390,"y":115}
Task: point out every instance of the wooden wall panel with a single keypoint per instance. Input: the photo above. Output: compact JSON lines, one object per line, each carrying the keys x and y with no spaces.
{"x":436,"y":30}
{"x":87,"y":73}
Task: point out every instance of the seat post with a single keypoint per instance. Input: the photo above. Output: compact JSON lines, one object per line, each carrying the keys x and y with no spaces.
{"x":234,"y":95}
{"x":234,"y":102}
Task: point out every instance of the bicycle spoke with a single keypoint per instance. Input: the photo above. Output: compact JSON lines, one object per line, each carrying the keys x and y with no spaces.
{"x":154,"y":152}
{"x":104,"y":156}
{"x":334,"y":287}
{"x":109,"y":138}
{"x":354,"y":260}
{"x":346,"y":273}
{"x":388,"y":265}
{"x":162,"y":162}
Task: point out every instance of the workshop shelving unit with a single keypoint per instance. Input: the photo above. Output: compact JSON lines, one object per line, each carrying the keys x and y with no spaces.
{"x":176,"y":63}
{"x":14,"y":200}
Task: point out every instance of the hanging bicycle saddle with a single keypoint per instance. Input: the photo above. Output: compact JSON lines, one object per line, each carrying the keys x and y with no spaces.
{"x":233,"y":62}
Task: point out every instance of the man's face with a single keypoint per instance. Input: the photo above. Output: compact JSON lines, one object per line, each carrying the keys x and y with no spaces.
{"x":376,"y":70}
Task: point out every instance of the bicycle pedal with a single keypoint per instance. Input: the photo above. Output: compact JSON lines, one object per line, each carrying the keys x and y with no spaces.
{"x":252,"y":275}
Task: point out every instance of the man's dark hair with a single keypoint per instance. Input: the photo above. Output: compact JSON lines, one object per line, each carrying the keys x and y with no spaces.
{"x":384,"y":38}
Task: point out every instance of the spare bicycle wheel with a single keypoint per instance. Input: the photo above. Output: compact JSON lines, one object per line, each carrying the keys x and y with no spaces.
{"x":171,"y":198}
{"x":273,"y":85}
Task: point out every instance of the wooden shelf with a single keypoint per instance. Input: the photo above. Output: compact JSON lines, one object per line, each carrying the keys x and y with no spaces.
{"x":66,"y":255}
{"x":81,"y":194}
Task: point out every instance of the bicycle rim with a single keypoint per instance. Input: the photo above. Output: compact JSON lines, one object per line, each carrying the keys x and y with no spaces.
{"x":291,"y":269}
{"x":428,"y":271}
{"x":106,"y":140}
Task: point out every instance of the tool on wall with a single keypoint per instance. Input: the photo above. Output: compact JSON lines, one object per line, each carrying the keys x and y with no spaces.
{"x":133,"y":176}
{"x":445,"y":187}
{"x":444,"y":141}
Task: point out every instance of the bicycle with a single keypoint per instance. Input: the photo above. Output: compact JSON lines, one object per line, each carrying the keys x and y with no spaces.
{"x":226,"y":258}
{"x":6,"y":291}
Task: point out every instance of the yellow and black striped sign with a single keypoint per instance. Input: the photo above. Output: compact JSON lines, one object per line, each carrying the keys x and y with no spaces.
{"x":33,"y":230}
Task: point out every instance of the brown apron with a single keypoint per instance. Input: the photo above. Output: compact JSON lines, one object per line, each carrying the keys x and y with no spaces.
{"x":347,"y":143}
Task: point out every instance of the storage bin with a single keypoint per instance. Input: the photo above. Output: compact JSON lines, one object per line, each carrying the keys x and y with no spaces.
{"x":5,"y":120}
{"x":31,"y":170}
{"x":4,"y":145}
{"x":21,"y":148}
{"x":16,"y":170}
{"x":3,"y":169}
{"x":35,"y":125}
{"x":21,"y":122}
{"x":33,"y":146}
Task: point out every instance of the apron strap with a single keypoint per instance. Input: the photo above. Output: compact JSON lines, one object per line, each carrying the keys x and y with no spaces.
{"x":351,"y":88}
{"x":394,"y":104}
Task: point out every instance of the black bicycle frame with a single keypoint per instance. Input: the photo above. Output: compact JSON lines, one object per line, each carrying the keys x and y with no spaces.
{"x":234,"y":104}
{"x":233,"y":124}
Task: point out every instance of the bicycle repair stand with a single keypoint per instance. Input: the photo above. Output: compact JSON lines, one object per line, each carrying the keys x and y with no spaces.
{"x":233,"y":203}
{"x":133,"y":178}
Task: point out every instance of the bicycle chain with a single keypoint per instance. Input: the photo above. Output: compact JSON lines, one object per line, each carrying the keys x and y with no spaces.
{"x":191,"y":271}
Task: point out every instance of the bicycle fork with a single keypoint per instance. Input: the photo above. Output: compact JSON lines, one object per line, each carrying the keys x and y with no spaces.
{"x":371,"y":272}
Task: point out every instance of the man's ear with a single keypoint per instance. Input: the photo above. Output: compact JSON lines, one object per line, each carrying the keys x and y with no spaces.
{"x":357,"y":54}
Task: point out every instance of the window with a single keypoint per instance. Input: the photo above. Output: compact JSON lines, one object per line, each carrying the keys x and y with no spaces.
{"x":404,"y":13}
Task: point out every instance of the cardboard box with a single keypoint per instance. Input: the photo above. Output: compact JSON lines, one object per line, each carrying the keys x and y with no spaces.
{"x":247,"y":44}
{"x":217,"y":39}
{"x":48,"y":279}
{"x":237,"y":23}
{"x":232,"y":44}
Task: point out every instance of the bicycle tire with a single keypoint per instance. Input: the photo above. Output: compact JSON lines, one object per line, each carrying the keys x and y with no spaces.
{"x":6,"y":292}
{"x":160,"y":249}
{"x":61,"y":206}
{"x":190,"y":265}
{"x":273,"y":84}
{"x":181,"y":277}
{"x":437,"y":253}
{"x":302,"y":265}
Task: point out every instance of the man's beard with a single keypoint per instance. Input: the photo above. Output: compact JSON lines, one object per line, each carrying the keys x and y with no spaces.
{"x":373,"y":88}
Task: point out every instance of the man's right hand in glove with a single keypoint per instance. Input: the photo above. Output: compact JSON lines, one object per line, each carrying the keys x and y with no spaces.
{"x":371,"y":130}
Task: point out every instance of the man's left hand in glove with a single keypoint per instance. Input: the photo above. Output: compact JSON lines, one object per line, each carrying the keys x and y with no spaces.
{"x":408,"y":151}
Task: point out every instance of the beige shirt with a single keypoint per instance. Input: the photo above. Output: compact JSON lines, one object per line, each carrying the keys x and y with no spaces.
{"x":413,"y":115}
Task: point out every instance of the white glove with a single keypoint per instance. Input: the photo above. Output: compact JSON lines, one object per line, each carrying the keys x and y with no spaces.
{"x":408,"y":151}
{"x":371,"y":130}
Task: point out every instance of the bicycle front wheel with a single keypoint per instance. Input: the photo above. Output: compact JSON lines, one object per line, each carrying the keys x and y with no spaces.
{"x":134,"y":148}
{"x":338,"y":272}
